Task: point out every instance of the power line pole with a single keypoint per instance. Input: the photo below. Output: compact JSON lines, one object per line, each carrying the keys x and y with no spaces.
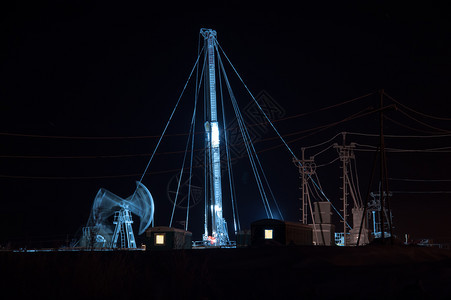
{"x":383,"y":186}
{"x":383,"y":189}
{"x":346,"y":153}
{"x":306,"y":170}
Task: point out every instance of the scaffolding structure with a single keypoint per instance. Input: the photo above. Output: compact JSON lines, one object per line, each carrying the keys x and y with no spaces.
{"x":123,"y":229}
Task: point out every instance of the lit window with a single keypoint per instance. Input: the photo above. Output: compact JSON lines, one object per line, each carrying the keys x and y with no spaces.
{"x":268,"y":234}
{"x":159,"y":239}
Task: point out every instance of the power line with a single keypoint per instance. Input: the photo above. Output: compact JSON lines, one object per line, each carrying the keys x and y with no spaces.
{"x":148,"y":154}
{"x":318,"y":129}
{"x":92,"y":177}
{"x":323,"y":109}
{"x":75,"y":157}
{"x":67,"y":177}
{"x":82,"y":137}
{"x":415,"y":111}
{"x":408,"y":127}
{"x":97,"y":156}
{"x":420,"y":192}
{"x":422,"y":123}
{"x":322,"y":151}
{"x":360,"y":114}
{"x":399,"y":136}
{"x":175,"y":134}
{"x":434,"y":150}
{"x":420,"y":180}
{"x":329,"y":163}
{"x":320,"y":144}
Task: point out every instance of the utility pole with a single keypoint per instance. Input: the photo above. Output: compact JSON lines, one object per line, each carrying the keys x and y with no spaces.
{"x":382,"y":160}
{"x":383,"y":189}
{"x":219,"y":232}
{"x":346,"y":153}
{"x":383,"y":195}
{"x":306,"y":170}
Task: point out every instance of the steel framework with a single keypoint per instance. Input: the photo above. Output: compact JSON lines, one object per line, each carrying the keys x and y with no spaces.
{"x":219,"y":235}
{"x":123,"y":222}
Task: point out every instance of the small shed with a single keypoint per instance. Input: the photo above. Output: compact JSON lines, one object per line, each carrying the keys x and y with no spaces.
{"x":167,"y":238}
{"x":272,"y":231}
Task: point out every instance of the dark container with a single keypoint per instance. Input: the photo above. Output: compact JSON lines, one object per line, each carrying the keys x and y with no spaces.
{"x":277,"y":232}
{"x":167,"y":238}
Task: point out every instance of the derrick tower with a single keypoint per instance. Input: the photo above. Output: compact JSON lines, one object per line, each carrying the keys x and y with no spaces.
{"x":219,"y":235}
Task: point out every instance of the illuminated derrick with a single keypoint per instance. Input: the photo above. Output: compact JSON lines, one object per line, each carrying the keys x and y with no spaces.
{"x":219,"y":235}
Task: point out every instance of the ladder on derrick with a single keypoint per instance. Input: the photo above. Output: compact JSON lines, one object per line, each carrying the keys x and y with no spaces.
{"x":123,"y":221}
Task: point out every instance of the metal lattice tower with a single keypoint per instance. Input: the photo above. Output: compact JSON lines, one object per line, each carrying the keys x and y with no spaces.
{"x":346,"y":154}
{"x":306,"y":170}
{"x":123,"y":222}
{"x":219,"y":233}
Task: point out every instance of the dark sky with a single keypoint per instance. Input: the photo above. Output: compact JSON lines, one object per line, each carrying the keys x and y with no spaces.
{"x":105,"y":70}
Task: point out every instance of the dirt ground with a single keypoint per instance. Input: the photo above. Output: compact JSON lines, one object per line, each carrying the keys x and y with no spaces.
{"x":266,"y":272}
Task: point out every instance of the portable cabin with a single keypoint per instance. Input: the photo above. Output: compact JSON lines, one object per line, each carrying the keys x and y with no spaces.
{"x":167,"y":238}
{"x":272,"y":231}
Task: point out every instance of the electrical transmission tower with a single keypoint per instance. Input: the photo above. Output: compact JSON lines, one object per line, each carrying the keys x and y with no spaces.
{"x":321,"y":222}
{"x":349,"y":188}
{"x":307,"y":168}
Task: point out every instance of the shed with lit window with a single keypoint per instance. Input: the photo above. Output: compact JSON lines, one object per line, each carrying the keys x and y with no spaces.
{"x":277,"y":232}
{"x":167,"y":238}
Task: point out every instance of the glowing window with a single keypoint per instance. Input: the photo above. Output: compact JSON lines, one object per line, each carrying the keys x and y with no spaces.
{"x":159,"y":239}
{"x":268,"y":234}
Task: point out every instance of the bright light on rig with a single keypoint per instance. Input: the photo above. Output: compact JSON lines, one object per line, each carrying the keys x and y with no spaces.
{"x":215,"y":208}
{"x":214,"y":134}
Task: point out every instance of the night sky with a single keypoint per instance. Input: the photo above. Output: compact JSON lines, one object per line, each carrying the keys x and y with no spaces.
{"x":86,"y":89}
